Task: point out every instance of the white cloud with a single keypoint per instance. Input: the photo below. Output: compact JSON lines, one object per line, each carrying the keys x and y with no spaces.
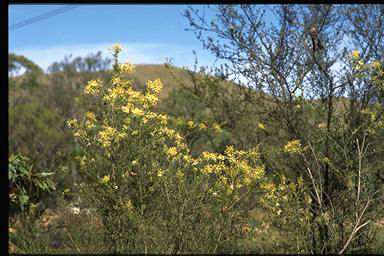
{"x":150,"y":53}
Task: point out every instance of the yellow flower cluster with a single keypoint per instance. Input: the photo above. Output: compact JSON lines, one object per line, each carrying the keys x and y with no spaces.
{"x":109,"y":135}
{"x":236,"y":168}
{"x":187,"y":158}
{"x":268,"y":186}
{"x":277,"y":198}
{"x":216,"y":127}
{"x":91,"y":120}
{"x":151,"y":99}
{"x":253,"y":174}
{"x":213,"y":168}
{"x":137,"y":112}
{"x":116,"y":48}
{"x":127,"y":67}
{"x":116,"y":80}
{"x":190,"y":124}
{"x":174,"y":135}
{"x":105,"y":179}
{"x":161,"y":118}
{"x":160,"y":173}
{"x":79,"y":134}
{"x":359,"y":66}
{"x":93,"y":87}
{"x":172,"y":151}
{"x":72,"y":123}
{"x":155,"y":86}
{"x":203,"y":126}
{"x":355,"y":54}
{"x":114,"y":94}
{"x":212,"y":156}
{"x":293,"y":146}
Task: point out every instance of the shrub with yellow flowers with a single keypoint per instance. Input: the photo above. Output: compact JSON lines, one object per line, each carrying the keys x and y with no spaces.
{"x":288,"y":203}
{"x":150,"y":193}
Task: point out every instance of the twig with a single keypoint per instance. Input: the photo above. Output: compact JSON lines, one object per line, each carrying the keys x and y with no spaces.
{"x":70,"y":237}
{"x":356,"y":228}
{"x":21,"y":251}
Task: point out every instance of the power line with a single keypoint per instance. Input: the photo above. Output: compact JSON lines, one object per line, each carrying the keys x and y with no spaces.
{"x":42,"y":16}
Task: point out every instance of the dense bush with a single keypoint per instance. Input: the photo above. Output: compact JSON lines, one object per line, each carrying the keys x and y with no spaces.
{"x":151,"y":194}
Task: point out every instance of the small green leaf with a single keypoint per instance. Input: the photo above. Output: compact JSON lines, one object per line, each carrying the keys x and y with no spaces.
{"x":51,"y":184}
{"x":23,"y":200}
{"x":42,"y":185}
{"x":43,"y":174}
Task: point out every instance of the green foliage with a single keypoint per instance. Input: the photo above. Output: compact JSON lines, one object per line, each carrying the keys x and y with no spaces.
{"x":26,"y":185}
{"x":32,"y":73}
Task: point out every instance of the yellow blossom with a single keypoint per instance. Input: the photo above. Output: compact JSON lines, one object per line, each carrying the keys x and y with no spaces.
{"x":190,"y":124}
{"x":212,"y":156}
{"x":116,"y":48}
{"x":172,"y":151}
{"x":137,"y":112}
{"x":163,"y":118}
{"x":127,"y":67}
{"x":151,"y":99}
{"x":116,"y":80}
{"x":202,"y":126}
{"x":72,"y":123}
{"x":293,"y":146}
{"x":216,"y":127}
{"x":230,"y":151}
{"x":253,"y":174}
{"x":93,"y":87}
{"x":127,"y":108}
{"x":105,"y":179}
{"x":160,"y":173}
{"x":109,"y":134}
{"x":79,"y":134}
{"x":114,"y":93}
{"x":260,"y":125}
{"x":360,"y":65}
{"x":355,"y":54}
{"x":133,"y":95}
{"x":187,"y":158}
{"x":91,"y":119}
{"x":154,"y":86}
{"x":91,"y":116}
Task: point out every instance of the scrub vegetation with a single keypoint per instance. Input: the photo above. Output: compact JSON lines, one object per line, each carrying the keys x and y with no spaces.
{"x":279,"y":150}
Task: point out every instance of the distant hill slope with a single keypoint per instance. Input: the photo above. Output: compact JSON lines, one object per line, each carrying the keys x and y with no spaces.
{"x":145,"y":72}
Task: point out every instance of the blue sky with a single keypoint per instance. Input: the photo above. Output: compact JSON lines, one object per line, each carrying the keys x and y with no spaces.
{"x":148,"y":33}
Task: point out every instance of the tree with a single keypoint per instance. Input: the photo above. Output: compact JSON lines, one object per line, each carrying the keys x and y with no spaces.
{"x":314,"y":104}
{"x":40,"y":104}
